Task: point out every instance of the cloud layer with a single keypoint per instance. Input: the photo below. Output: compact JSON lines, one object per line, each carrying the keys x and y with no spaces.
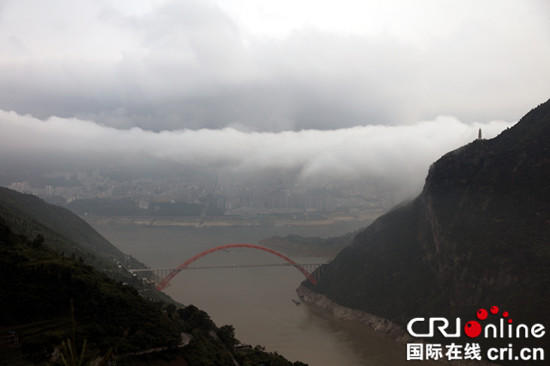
{"x":400,"y":155}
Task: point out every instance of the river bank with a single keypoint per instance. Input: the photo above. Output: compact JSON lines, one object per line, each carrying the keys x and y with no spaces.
{"x":379,"y":324}
{"x":394,"y":331}
{"x":312,"y":220}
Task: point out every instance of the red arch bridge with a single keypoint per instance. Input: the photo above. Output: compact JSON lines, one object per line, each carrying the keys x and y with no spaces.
{"x":167,"y":274}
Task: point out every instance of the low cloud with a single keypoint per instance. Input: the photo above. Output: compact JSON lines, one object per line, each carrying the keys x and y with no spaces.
{"x":400,"y":155}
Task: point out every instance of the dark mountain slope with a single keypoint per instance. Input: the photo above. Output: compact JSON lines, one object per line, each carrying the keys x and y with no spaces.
{"x":63,"y":230}
{"x":478,"y":235}
{"x":39,"y":286}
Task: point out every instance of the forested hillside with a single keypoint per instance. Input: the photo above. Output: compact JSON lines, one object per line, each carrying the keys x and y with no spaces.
{"x":50,"y":294}
{"x":63,"y":230}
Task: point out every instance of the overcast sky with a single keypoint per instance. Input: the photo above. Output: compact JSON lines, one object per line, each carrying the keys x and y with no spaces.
{"x":273,"y":65}
{"x":269,"y":74}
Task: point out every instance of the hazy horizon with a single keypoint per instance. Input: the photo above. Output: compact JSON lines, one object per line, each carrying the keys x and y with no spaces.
{"x":400,"y":155}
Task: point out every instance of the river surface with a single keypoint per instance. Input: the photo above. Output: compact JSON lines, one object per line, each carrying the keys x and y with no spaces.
{"x":257,"y":301}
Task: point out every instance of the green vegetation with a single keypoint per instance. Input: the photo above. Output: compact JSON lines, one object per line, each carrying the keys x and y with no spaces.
{"x":71,"y":236}
{"x":249,"y":356}
{"x":56,"y":309}
{"x":39,"y":283}
{"x":63,"y":230}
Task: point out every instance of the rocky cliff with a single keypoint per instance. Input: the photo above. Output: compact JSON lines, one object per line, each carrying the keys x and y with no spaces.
{"x":477,"y":235}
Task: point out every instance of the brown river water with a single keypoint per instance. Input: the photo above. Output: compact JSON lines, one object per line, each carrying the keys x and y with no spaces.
{"x":256,"y":301}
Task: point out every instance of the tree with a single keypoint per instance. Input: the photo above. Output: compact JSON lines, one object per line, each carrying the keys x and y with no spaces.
{"x":226,"y":333}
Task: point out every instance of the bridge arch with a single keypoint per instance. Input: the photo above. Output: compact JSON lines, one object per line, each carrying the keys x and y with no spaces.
{"x":164,"y":282}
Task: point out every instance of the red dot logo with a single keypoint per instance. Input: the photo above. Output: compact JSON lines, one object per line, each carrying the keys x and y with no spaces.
{"x":472,"y":329}
{"x":482,"y":314}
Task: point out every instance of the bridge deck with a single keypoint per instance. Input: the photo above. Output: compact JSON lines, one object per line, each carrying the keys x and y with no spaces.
{"x":226,"y":266}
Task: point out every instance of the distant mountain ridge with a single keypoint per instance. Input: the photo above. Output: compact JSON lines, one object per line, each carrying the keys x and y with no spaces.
{"x":477,"y":235}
